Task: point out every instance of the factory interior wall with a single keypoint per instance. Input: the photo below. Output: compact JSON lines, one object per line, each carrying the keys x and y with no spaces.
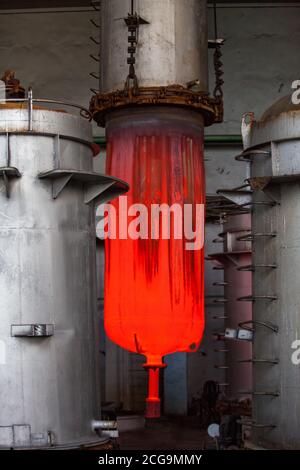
{"x":50,"y":50}
{"x":56,"y":60}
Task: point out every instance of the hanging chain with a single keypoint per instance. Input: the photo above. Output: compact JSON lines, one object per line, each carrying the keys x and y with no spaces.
{"x":100,"y":46}
{"x":218,"y":91}
{"x":97,"y":6}
{"x":132,"y":22}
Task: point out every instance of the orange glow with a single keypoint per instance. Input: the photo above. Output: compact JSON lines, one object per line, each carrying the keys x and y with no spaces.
{"x":154,"y":299}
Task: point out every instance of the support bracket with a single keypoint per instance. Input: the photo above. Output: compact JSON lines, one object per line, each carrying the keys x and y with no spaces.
{"x":36,"y":330}
{"x":95,"y":184}
{"x":7,"y":173}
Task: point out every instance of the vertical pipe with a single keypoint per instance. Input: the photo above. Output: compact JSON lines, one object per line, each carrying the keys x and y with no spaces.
{"x":153,"y":400}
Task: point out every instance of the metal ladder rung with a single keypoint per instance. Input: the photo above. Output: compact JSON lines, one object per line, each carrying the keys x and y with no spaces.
{"x":259,"y":361}
{"x":261,"y":393}
{"x":267,"y":325}
{"x":254,"y":298}
{"x":253,"y":267}
{"x":247,"y":156}
{"x":253,"y":424}
{"x":252,"y":236}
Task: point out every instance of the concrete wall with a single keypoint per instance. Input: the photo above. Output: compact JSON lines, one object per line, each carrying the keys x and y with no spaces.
{"x":260,"y":57}
{"x":50,"y":50}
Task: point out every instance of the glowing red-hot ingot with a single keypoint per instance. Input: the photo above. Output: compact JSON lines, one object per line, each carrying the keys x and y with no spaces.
{"x":154,"y":289}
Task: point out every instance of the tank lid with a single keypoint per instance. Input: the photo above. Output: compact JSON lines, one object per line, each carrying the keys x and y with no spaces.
{"x":283,"y":105}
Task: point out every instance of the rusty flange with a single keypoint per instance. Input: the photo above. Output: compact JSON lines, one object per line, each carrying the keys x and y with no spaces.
{"x":12,"y":85}
{"x":174,"y":95}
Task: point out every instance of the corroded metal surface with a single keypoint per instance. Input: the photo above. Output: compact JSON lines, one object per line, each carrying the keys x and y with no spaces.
{"x":12,"y":85}
{"x":177,"y":95}
{"x":167,"y":58}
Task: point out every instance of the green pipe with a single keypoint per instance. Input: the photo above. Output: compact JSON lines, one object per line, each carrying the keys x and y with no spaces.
{"x":100,"y":140}
{"x":209,"y":139}
{"x":223,"y":139}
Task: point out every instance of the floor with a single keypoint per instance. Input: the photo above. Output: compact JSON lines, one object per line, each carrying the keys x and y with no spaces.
{"x":167,"y":434}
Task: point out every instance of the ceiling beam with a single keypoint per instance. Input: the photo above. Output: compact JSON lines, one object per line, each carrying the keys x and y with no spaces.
{"x":23,"y":4}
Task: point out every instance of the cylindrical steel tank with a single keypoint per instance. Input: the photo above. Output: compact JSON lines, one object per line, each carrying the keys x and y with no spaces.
{"x":272,"y":145}
{"x":153,"y":99}
{"x":237,"y":285}
{"x":172,"y":47}
{"x":49,"y":329}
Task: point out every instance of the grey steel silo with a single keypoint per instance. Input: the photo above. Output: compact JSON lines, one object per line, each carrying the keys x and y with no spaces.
{"x":272,"y":145}
{"x":49,"y":340}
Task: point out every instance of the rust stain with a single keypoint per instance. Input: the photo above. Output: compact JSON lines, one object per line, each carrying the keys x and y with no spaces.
{"x":211,"y":108}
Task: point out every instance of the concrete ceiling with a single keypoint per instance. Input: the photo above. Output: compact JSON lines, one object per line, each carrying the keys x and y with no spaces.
{"x":22,"y":4}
